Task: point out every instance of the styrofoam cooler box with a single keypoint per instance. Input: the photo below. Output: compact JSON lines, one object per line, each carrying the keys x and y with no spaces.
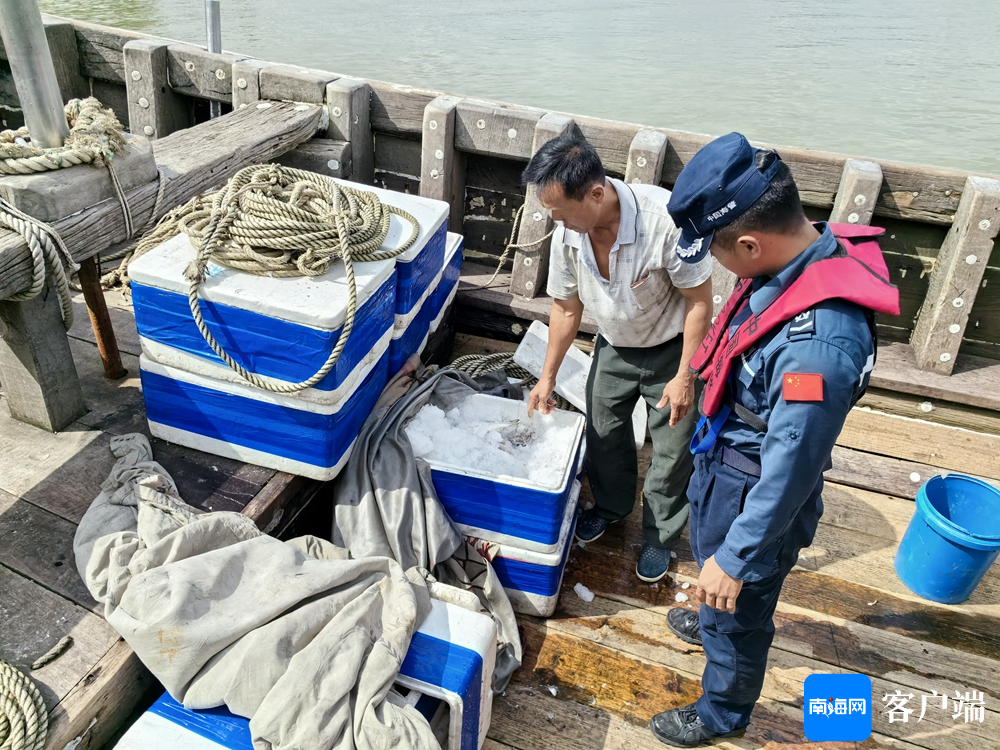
{"x":412,"y":330}
{"x":417,"y":267}
{"x":253,"y":425}
{"x":282,"y":328}
{"x":505,"y":509}
{"x":532,"y":579}
{"x":447,"y":671}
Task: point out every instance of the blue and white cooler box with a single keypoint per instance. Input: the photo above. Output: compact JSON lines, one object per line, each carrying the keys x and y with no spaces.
{"x":510,"y":510}
{"x":447,"y":675}
{"x":532,"y":579}
{"x":418,"y":267}
{"x":283,"y":328}
{"x":413,"y":329}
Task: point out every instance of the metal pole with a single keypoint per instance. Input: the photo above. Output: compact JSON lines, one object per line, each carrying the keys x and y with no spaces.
{"x":213,"y":27}
{"x":34,"y":75}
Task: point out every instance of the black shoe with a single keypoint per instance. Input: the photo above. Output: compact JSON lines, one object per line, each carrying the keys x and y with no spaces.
{"x":684,"y":624}
{"x":653,"y":563}
{"x":590,"y":526}
{"x":682,"y":727}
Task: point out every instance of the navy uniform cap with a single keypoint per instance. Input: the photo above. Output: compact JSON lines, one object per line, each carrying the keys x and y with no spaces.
{"x":719,"y":183}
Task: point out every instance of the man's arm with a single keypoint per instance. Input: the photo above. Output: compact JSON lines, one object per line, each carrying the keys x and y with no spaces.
{"x":679,"y":392}
{"x":564,"y":322}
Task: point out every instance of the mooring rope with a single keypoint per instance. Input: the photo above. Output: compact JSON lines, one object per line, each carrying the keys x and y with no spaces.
{"x":95,"y":137}
{"x":271,"y":220}
{"x":48,"y":253}
{"x":24,"y":720}
{"x":511,"y":245}
{"x":483,"y":364}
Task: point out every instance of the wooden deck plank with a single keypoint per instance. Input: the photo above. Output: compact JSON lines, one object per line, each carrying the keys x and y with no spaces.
{"x":35,"y":620}
{"x":39,"y":545}
{"x":858,"y":648}
{"x":635,"y":688}
{"x":974,"y":381}
{"x":949,"y":448}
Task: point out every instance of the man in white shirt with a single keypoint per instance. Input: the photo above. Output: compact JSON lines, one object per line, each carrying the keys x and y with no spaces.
{"x":614,"y":254}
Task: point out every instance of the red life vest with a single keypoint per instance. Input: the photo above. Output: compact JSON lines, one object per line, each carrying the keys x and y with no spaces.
{"x":859,"y":276}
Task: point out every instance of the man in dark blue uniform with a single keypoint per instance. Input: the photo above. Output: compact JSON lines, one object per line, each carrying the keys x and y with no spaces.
{"x":783,"y":396}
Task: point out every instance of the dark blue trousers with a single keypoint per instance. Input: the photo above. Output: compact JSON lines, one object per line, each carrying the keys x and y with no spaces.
{"x":736,"y":645}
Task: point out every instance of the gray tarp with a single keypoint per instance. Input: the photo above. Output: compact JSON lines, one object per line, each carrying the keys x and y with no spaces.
{"x":386,"y":504}
{"x":222,"y":614}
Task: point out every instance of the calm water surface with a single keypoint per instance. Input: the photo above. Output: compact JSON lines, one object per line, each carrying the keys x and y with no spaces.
{"x":914,"y":80}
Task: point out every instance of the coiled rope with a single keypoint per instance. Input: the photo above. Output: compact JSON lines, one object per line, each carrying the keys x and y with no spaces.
{"x":271,"y":220}
{"x":24,"y":720}
{"x":95,"y":137}
{"x":483,"y":364}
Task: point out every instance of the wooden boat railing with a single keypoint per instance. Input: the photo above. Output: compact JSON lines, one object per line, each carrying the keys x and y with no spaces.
{"x":941,"y":223}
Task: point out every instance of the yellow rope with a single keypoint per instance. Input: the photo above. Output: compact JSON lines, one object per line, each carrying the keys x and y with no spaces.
{"x":276,"y":221}
{"x":24,"y":720}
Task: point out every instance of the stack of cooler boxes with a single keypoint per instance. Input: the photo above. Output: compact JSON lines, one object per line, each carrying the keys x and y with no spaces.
{"x":447,"y":675}
{"x":285,"y":328}
{"x":524,"y":527}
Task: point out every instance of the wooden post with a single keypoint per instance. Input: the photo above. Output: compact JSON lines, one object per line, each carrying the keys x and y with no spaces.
{"x":860,"y":185}
{"x":36,"y":367}
{"x":286,"y":83}
{"x":154,"y":110}
{"x":65,"y":52}
{"x":957,"y":275}
{"x":246,"y":82}
{"x":100,"y":321}
{"x":349,"y":102}
{"x":531,"y":264}
{"x":645,"y":158}
{"x":442,"y":168}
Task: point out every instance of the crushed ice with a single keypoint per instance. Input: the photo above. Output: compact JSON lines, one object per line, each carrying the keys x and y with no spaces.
{"x":471,"y":437}
{"x":583,"y":592}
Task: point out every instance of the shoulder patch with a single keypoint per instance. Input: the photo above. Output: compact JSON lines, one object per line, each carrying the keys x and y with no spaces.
{"x":802,"y":386}
{"x":803,"y":324}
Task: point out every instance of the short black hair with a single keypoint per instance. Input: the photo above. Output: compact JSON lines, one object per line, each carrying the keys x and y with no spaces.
{"x":777,"y":211}
{"x":569,"y":161}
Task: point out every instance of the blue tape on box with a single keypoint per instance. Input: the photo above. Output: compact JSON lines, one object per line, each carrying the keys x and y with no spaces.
{"x":415,"y":276}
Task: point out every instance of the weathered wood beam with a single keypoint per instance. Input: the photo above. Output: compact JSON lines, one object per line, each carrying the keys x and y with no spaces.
{"x":859,"y":189}
{"x":495,"y":131}
{"x":288,"y":83}
{"x":349,"y":103}
{"x":910,"y":191}
{"x":194,"y":71}
{"x":442,"y":166}
{"x":645,"y":158}
{"x":322,"y":156}
{"x":958,"y":272}
{"x":191,"y":161}
{"x":246,"y":82}
{"x":154,"y":110}
{"x":36,"y":367}
{"x":531,"y":263}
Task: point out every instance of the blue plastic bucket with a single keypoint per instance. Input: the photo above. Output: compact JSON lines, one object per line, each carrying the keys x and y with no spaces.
{"x":952,"y":539}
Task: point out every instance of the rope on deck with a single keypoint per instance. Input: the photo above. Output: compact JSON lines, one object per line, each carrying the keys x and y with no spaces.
{"x":483,"y":364}
{"x":95,"y":137}
{"x":24,"y":720}
{"x":271,"y":220}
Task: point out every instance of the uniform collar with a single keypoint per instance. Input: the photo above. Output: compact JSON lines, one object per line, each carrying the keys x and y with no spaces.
{"x":767,"y":290}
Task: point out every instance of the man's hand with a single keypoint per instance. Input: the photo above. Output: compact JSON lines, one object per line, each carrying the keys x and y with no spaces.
{"x":679,"y":394}
{"x":717,"y":588}
{"x":541,"y":397}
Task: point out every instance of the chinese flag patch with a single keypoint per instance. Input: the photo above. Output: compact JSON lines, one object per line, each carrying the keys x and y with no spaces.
{"x":802,"y":386}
